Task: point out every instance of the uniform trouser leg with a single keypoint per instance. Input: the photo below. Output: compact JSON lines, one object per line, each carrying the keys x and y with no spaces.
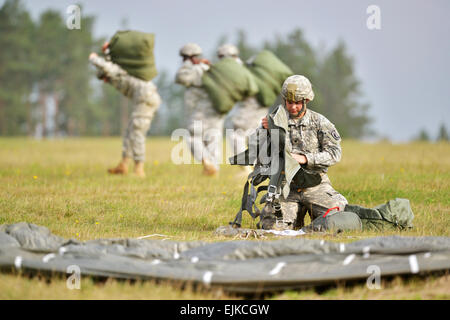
{"x":316,"y":200}
{"x":319,"y":199}
{"x":135,"y":135}
{"x":205,"y":140}
{"x":200,"y":151}
{"x":241,"y":122}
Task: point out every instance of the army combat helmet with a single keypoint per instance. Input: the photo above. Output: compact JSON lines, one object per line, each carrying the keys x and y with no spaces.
{"x":227,"y":51}
{"x":190,"y":50}
{"x":297,"y":88}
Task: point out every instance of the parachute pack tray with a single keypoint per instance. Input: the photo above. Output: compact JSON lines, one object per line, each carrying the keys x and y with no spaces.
{"x":236,"y":266}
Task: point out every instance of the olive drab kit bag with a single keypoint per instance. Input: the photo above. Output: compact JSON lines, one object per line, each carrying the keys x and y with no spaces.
{"x":270,"y":73}
{"x":228,"y":82}
{"x":133,"y":51}
{"x":395,"y":214}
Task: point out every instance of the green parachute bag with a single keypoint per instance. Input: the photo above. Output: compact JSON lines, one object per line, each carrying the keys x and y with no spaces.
{"x":270,"y":73}
{"x":395,"y":214}
{"x":133,"y":51}
{"x":228,"y":82}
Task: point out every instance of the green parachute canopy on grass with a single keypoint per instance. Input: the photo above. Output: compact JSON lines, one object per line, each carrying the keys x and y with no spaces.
{"x":228,"y":82}
{"x":270,"y":73}
{"x":133,"y":51}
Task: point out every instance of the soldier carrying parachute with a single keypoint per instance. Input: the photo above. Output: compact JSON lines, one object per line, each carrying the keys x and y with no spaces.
{"x":129,"y":67}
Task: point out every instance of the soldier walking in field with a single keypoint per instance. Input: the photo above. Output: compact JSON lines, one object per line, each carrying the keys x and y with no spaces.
{"x":314,"y":143}
{"x":245,"y":116}
{"x":202,"y":119}
{"x":146,"y":101}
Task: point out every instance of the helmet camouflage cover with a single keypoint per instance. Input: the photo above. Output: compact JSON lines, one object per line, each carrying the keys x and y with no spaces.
{"x":190,"y":49}
{"x":296,"y":88}
{"x":227,"y":50}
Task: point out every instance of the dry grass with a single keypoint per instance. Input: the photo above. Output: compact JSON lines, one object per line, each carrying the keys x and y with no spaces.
{"x":63,"y":185}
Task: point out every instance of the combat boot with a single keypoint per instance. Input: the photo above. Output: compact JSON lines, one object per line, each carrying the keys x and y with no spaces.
{"x":122,"y":167}
{"x":209,"y":169}
{"x":139,"y":169}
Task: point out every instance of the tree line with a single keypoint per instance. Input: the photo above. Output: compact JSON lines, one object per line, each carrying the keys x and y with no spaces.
{"x":48,"y":88}
{"x":442,"y":135}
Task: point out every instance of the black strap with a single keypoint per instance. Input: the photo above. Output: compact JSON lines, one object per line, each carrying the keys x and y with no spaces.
{"x":248,"y":201}
{"x":276,"y":179}
{"x":251,"y":154}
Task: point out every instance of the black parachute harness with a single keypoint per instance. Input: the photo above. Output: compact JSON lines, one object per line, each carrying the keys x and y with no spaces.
{"x":262,"y":172}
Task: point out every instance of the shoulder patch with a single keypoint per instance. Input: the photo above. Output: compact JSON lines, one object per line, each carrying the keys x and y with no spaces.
{"x":335,"y":134}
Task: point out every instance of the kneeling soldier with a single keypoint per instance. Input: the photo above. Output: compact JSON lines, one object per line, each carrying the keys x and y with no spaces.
{"x":315,"y":144}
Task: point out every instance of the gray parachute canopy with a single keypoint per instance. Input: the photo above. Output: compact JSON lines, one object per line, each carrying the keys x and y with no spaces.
{"x":236,"y":266}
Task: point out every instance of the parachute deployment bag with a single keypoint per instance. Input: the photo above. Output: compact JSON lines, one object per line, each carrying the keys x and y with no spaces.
{"x":133,"y":51}
{"x":270,"y":73}
{"x":227,"y":82}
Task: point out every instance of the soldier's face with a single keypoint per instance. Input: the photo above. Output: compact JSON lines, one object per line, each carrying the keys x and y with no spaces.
{"x":294,"y":107}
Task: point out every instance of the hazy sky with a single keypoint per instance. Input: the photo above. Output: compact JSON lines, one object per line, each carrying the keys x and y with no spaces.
{"x":404,"y":67}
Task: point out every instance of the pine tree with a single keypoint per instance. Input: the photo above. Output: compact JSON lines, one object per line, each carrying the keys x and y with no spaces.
{"x":340,"y":94}
{"x":423,"y":136}
{"x":443,"y":134}
{"x":16,"y":68}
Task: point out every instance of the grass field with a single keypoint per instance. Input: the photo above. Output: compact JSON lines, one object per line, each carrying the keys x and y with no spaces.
{"x":63,"y":185}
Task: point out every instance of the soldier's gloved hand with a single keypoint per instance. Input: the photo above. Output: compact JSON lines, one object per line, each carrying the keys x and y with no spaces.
{"x":265,"y":123}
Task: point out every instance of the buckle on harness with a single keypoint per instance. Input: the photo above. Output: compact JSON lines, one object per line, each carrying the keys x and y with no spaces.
{"x":271,"y":193}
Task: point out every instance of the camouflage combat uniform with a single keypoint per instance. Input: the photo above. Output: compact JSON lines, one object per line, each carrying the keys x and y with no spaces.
{"x":145,"y":99}
{"x":200,"y":113}
{"x":315,"y":137}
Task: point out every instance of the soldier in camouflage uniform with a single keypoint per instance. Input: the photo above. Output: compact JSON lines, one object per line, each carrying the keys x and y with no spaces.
{"x":203,"y":121}
{"x":146,"y":101}
{"x":245,"y":116}
{"x":315,"y":143}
